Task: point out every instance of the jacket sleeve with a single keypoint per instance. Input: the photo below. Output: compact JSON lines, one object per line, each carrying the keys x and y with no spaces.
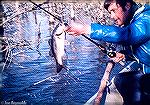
{"x":140,"y":30}
{"x":108,"y":33}
{"x":135,"y":33}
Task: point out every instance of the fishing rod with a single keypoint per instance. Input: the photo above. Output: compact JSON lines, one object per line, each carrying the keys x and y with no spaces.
{"x":109,"y":52}
{"x":56,"y":17}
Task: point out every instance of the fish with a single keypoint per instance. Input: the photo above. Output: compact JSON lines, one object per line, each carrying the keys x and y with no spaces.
{"x":57,"y":46}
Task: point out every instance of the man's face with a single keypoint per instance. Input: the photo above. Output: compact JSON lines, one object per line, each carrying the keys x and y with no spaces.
{"x":117,"y":13}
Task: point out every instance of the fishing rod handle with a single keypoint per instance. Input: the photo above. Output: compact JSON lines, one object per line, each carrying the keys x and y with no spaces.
{"x":112,"y":53}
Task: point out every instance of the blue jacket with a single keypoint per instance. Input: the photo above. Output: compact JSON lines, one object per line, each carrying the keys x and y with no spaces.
{"x":136,"y":34}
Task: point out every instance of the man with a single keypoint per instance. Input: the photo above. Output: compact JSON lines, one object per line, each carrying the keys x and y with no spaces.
{"x":132,"y":30}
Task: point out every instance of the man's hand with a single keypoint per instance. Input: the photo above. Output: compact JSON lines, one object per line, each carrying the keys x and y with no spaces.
{"x":78,"y":28}
{"x":74,"y":28}
{"x":119,"y":57}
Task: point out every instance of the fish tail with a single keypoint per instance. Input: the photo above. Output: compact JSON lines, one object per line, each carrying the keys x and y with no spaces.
{"x":60,"y":67}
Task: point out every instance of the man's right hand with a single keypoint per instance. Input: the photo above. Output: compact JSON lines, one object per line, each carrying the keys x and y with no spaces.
{"x":78,"y":28}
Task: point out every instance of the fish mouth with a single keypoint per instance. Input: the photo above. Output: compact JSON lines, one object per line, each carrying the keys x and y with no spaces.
{"x":58,"y":34}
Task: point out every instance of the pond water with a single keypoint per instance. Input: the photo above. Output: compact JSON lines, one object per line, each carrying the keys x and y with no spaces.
{"x":31,"y":76}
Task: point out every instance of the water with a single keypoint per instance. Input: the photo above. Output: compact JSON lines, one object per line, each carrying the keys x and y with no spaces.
{"x":31,"y":76}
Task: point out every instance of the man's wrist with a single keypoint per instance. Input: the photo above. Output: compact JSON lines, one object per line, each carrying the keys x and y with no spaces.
{"x":87,"y":29}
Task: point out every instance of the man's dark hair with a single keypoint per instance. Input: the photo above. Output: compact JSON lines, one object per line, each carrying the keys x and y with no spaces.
{"x":122,"y":3}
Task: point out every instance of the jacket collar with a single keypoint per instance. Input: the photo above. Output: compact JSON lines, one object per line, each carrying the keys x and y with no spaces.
{"x":135,"y":9}
{"x":140,"y":10}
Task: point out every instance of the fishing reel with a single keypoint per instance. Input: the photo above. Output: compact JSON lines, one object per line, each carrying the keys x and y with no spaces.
{"x":111,"y":52}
